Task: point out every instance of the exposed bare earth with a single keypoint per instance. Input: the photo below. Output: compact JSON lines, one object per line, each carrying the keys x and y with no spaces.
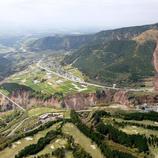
{"x":147,"y":35}
{"x":155,"y":63}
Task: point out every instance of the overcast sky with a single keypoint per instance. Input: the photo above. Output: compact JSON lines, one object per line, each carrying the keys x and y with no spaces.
{"x":75,"y":14}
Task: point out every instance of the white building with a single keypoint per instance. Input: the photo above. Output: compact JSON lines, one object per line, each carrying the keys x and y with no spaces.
{"x":50,"y":117}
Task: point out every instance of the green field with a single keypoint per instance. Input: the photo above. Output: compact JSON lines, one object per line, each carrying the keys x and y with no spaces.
{"x":10,"y":152}
{"x":44,"y":82}
{"x":81,"y":139}
{"x":138,"y":130}
{"x":75,"y":71}
{"x":57,"y":143}
{"x":40,"y":110}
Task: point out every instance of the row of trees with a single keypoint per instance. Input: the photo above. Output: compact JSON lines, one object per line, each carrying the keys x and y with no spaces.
{"x":97,"y":115}
{"x":125,"y":123}
{"x":35,"y":148}
{"x":118,"y":136}
{"x":77,"y":150}
{"x":153,"y":140}
{"x":98,"y":139}
{"x":30,"y":133}
{"x":6,"y":119}
{"x":153,"y":116}
{"x":123,"y":138}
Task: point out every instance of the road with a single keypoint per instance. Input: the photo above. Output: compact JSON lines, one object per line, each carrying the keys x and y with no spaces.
{"x":87,"y":83}
{"x":13,"y":131}
{"x":81,"y":82}
{"x":13,"y":102}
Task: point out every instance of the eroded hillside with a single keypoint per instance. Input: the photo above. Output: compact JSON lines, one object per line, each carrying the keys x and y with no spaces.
{"x":120,"y":61}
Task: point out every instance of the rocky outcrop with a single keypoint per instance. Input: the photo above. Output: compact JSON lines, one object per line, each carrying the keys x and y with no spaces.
{"x":155,"y":58}
{"x":5,"y":104}
{"x":74,"y":101}
{"x":149,"y":99}
{"x":79,"y":101}
{"x":25,"y":99}
{"x":155,"y":83}
{"x":106,"y":97}
{"x":121,"y":97}
{"x":135,"y":98}
{"x":155,"y":63}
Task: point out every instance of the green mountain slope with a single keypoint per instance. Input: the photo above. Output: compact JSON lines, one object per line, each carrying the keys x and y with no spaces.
{"x":59,"y":42}
{"x":5,"y":67}
{"x":69,"y":42}
{"x":118,"y":61}
{"x":123,"y":56}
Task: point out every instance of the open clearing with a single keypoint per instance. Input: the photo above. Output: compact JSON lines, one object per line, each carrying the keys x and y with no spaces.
{"x":40,"y":110}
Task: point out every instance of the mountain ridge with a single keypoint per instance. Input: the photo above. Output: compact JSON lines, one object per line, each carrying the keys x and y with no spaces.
{"x":68,"y":42}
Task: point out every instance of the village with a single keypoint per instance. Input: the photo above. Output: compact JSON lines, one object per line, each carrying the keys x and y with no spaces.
{"x":57,"y":68}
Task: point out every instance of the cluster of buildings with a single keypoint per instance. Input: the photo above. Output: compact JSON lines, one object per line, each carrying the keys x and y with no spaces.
{"x":50,"y":117}
{"x":58,"y":68}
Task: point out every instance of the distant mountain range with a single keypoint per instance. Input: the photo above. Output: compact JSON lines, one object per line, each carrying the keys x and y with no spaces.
{"x":117,"y":56}
{"x":60,"y":42}
{"x":68,"y":42}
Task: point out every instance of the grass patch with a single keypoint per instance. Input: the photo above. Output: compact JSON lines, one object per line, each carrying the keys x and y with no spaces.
{"x":81,"y":139}
{"x":138,"y":130}
{"x":57,"y":143}
{"x":40,"y":110}
{"x":49,"y":83}
{"x":10,"y":152}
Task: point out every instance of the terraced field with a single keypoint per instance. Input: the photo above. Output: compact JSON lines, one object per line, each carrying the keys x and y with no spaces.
{"x":40,"y":80}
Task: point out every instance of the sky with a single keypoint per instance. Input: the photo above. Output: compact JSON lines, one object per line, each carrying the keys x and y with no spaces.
{"x":75,"y":15}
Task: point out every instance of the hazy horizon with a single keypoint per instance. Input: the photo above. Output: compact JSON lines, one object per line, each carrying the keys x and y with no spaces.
{"x":18,"y":16}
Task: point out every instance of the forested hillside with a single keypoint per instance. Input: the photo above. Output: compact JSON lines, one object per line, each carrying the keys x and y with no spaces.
{"x":122,"y":57}
{"x":60,"y":42}
{"x":5,"y":67}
